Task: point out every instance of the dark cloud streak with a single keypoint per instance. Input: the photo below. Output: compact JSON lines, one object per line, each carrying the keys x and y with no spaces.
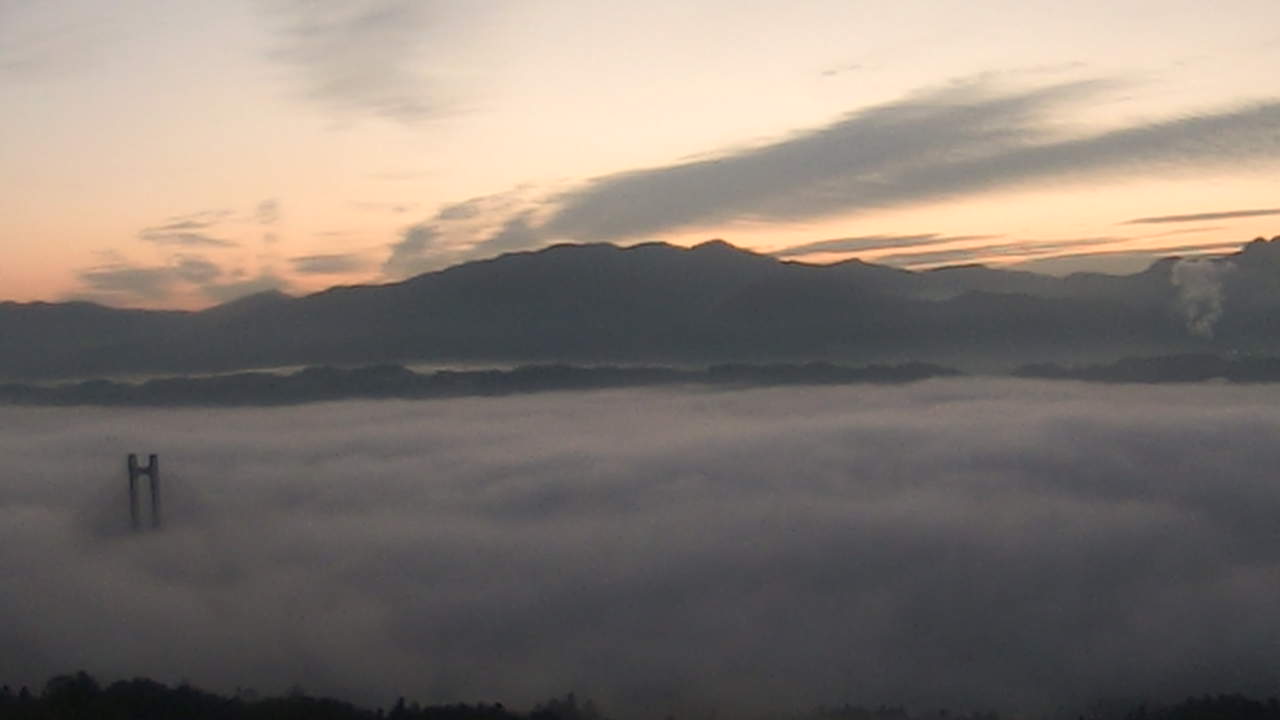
{"x":1198,"y":217}
{"x":872,"y":242}
{"x":817,"y":172}
{"x":184,"y":239}
{"x":961,"y":140}
{"x":983,"y":252}
{"x":1119,"y":261}
{"x":188,"y":231}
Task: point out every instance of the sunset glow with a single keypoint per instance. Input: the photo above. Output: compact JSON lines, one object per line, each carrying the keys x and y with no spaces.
{"x":180,"y":155}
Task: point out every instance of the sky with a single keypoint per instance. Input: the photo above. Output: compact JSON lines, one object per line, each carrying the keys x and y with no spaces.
{"x":158,"y":154}
{"x":969,"y":544}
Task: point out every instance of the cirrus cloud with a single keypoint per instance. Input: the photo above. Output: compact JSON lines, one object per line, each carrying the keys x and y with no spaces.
{"x":328,"y":264}
{"x":364,"y":57}
{"x":964,"y":139}
{"x":1200,"y":217}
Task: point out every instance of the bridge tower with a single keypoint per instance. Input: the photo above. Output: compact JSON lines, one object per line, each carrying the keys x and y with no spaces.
{"x":152,"y":473}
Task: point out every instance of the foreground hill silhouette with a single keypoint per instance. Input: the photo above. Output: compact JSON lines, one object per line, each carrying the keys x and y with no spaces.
{"x":81,"y":697}
{"x":660,"y":303}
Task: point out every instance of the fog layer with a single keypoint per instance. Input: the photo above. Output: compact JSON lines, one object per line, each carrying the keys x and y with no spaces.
{"x":964,"y":543}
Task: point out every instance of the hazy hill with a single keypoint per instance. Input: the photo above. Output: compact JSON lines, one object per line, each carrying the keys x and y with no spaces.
{"x":660,"y":303}
{"x":318,"y":384}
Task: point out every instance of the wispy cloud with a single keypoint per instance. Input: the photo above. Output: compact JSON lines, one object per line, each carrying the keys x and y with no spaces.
{"x":1118,"y":260}
{"x":189,"y":230}
{"x":518,"y":233}
{"x":468,"y":230}
{"x":119,"y":281}
{"x":198,"y":219}
{"x":197,"y":270}
{"x":1186,"y":231}
{"x":1161,"y":251}
{"x":395,"y":208}
{"x":130,"y":281}
{"x":264,"y":281}
{"x":420,"y":248}
{"x":836,"y":70}
{"x":1199,"y":217}
{"x":364,"y":57}
{"x":872,"y":242}
{"x":964,"y":139}
{"x":267,"y":212}
{"x":41,"y":40}
{"x":330,"y":264}
{"x":465,"y":210}
{"x":184,"y":239}
{"x":983,"y":253}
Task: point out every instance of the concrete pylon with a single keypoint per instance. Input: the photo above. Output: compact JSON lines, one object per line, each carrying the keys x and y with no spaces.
{"x":136,"y":473}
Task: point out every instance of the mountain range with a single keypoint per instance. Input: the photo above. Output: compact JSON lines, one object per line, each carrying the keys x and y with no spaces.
{"x":656,"y":302}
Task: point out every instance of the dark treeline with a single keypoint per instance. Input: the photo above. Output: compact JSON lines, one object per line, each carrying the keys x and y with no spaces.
{"x":1165,"y":369}
{"x":79,"y":696}
{"x":315,"y":384}
{"x":318,"y":384}
{"x":1211,"y":707}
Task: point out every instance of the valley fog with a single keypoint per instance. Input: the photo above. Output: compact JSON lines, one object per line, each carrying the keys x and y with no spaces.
{"x":971,"y":544}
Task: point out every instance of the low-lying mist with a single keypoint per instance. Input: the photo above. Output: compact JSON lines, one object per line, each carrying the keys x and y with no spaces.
{"x":971,"y":544}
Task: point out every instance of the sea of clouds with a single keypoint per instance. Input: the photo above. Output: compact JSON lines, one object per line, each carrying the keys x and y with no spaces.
{"x":964,"y":543}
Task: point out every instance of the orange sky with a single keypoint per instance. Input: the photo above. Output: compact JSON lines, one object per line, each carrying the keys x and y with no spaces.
{"x":172,"y":155}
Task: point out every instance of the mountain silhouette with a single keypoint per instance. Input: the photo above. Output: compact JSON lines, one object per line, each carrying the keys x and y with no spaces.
{"x":656,"y":302}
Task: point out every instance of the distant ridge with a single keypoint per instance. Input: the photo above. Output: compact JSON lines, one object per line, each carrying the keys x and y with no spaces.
{"x":658,"y":303}
{"x":316,"y":384}
{"x":1190,"y":368}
